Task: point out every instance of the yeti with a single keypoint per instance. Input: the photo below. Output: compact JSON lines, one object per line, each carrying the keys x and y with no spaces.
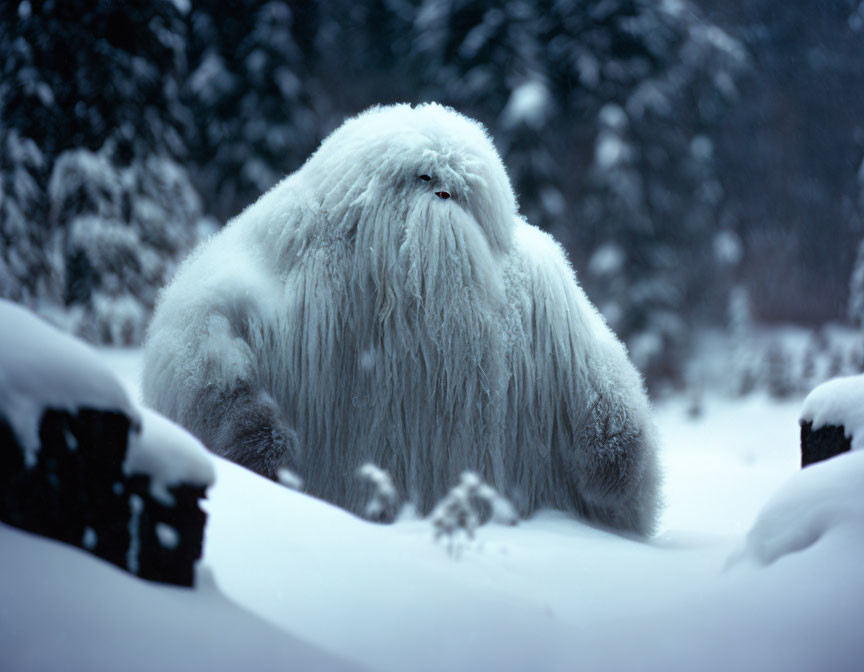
{"x":386,"y":303}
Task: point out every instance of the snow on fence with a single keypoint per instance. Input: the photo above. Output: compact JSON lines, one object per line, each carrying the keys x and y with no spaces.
{"x":80,"y":464}
{"x":832,"y":419}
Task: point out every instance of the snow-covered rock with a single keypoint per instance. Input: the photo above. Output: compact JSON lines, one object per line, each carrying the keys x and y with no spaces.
{"x":80,"y":463}
{"x":832,"y":419}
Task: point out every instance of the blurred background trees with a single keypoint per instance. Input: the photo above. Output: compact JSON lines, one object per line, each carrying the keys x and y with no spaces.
{"x":701,"y":162}
{"x":97,"y":207}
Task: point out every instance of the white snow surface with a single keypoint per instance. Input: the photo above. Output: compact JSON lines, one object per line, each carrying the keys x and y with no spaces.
{"x":712,"y":591}
{"x":838,"y":402}
{"x":64,"y":609}
{"x":41,"y":367}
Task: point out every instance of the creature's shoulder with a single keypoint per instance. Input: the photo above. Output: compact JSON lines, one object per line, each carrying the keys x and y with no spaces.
{"x":541,"y":268}
{"x":538,"y":254}
{"x":239,"y":264}
{"x":284,"y":208}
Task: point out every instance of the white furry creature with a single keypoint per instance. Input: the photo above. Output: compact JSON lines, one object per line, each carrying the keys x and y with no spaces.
{"x":386,"y":303}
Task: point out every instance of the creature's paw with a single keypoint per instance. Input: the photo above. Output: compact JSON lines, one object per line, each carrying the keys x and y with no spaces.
{"x":259,"y":439}
{"x":266,"y":449}
{"x":614,"y":472}
{"x":622,"y":490}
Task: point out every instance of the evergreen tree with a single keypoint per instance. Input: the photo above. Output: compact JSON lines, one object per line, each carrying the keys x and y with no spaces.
{"x":856,"y":289}
{"x":27,"y":270}
{"x":652,"y":189}
{"x":122,"y":229}
{"x":778,"y":375}
{"x":362,"y":54}
{"x":75,"y":73}
{"x":487,"y":61}
{"x":791,"y":152}
{"x":249,"y":97}
{"x":604,"y":114}
{"x":668,"y":162}
{"x":740,"y":331}
{"x":95,"y":210}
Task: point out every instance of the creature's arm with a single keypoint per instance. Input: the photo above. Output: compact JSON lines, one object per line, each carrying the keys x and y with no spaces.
{"x":200,"y":371}
{"x":604,"y":443}
{"x":613,"y":463}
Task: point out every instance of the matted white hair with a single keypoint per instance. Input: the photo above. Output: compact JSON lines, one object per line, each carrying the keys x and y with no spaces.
{"x":387,"y":304}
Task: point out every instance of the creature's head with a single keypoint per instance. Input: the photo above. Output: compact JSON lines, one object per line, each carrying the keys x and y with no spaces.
{"x":398,"y":167}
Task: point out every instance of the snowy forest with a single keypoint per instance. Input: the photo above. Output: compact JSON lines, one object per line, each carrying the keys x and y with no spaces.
{"x":701,"y":162}
{"x":374,"y":422}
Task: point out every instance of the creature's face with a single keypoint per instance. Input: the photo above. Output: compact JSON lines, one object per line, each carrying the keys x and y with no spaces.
{"x":400,"y":167}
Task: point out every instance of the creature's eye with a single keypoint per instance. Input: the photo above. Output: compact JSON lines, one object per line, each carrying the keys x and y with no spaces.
{"x":425,"y":178}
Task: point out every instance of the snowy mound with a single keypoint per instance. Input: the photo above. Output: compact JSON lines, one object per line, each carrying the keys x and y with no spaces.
{"x":822,"y":500}
{"x":40,"y":367}
{"x":839,"y":403}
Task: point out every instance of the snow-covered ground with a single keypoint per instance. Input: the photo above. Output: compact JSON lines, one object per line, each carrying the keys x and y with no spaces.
{"x":294,"y":583}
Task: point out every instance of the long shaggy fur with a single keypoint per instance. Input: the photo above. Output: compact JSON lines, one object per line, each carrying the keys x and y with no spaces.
{"x":351,"y":315}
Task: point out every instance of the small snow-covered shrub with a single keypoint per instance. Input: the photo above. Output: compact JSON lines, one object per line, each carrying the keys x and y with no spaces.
{"x":289,"y":479}
{"x":467,"y":506}
{"x":782,"y":361}
{"x":383,"y":503}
